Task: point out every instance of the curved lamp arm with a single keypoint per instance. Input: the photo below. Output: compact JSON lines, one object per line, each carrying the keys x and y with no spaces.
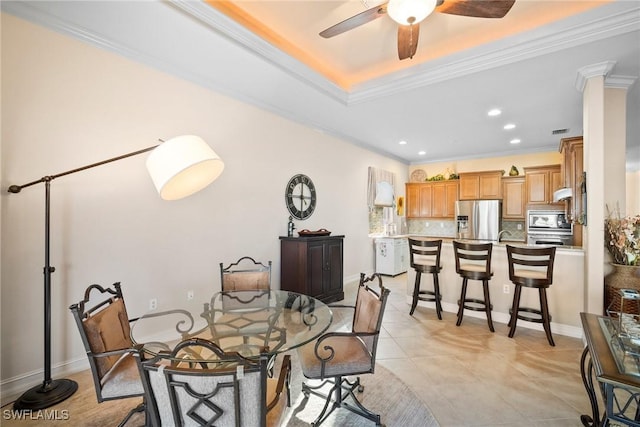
{"x":178,"y":167}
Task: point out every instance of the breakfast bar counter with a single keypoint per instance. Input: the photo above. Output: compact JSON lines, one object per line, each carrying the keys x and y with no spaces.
{"x":566,"y":294}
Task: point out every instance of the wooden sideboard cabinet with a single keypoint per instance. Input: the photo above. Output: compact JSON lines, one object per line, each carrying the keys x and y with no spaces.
{"x":541,"y":182}
{"x":513,"y":201}
{"x":435,"y":199}
{"x":481,"y":185}
{"x":313,"y":266}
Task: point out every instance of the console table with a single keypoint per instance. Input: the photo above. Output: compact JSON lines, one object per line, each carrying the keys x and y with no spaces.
{"x":615,"y":365}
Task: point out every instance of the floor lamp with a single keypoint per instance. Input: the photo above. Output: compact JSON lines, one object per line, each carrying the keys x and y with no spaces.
{"x":178,"y":167}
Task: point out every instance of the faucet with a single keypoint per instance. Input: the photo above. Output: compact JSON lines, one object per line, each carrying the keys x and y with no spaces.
{"x":503,"y":231}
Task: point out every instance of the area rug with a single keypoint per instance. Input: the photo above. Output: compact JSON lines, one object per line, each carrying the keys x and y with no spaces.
{"x":384,"y":393}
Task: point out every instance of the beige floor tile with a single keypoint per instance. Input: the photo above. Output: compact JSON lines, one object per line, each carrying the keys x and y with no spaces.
{"x":471,"y":377}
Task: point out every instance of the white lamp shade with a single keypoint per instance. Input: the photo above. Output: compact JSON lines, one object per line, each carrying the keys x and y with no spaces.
{"x":182,"y":166}
{"x":384,"y":194}
{"x":406,"y":12}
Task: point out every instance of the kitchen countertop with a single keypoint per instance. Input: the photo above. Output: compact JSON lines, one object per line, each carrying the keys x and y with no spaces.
{"x":501,"y":243}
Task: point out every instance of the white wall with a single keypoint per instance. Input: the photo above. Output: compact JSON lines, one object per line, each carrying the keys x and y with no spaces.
{"x":66,"y":104}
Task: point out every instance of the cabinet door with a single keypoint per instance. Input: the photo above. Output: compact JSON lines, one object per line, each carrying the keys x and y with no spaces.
{"x":413,"y":200}
{"x":426,"y":197}
{"x":513,"y":202}
{"x":452,"y":197}
{"x":439,"y":200}
{"x":333,"y":269}
{"x":557,"y":181}
{"x":469,"y":186}
{"x":490,"y":186}
{"x":316,"y":269}
{"x":537,"y":187}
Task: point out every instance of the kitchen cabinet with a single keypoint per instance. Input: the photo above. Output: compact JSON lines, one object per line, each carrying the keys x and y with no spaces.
{"x":313,"y":266}
{"x":541,"y":182}
{"x":513,"y":197}
{"x":481,"y":185}
{"x":436,"y":199}
{"x":419,"y":200}
{"x":572,"y":173}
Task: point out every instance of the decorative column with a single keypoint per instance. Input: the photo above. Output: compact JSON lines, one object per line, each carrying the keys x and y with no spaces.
{"x":604,"y":123}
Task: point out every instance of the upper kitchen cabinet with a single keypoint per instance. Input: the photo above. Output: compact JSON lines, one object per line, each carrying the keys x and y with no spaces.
{"x":541,"y":182}
{"x":436,"y":199}
{"x":513,"y":201}
{"x":481,"y":185}
{"x":572,"y":169}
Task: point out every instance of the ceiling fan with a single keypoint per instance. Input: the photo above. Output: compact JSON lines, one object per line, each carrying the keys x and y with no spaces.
{"x":409,"y":13}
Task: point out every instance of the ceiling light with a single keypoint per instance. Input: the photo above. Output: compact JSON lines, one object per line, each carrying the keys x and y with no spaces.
{"x":515,"y":141}
{"x":509,"y":126}
{"x":422,"y":153}
{"x":402,"y":142}
{"x":494,"y":112}
{"x":408,"y":12}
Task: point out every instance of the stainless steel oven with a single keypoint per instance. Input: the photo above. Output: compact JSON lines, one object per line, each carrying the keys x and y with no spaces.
{"x":546,"y":227}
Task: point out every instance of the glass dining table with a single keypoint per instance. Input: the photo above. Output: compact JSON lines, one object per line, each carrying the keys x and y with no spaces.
{"x":247,"y":322}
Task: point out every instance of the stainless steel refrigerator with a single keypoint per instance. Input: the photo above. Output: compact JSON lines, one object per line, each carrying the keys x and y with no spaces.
{"x":478,"y":219}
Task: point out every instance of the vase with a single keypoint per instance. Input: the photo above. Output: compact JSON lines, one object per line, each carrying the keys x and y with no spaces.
{"x":622,"y":277}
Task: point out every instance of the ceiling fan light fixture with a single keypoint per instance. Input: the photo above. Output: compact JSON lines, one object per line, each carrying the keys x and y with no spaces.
{"x":409,"y":12}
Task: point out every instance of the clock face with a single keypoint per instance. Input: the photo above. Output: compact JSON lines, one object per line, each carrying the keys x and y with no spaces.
{"x":300,"y":196}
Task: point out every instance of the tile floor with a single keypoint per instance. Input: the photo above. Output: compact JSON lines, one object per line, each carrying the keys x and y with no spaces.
{"x":469,"y":376}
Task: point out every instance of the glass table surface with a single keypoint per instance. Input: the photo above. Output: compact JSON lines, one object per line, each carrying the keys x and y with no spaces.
{"x":624,"y":347}
{"x":242,"y":321}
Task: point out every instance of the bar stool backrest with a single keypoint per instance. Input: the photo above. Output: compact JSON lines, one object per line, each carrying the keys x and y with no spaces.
{"x":424,"y":255}
{"x":531,"y":267}
{"x":473,"y":259}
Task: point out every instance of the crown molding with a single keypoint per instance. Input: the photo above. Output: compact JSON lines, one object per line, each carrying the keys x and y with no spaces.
{"x":619,"y":82}
{"x":505,"y":53}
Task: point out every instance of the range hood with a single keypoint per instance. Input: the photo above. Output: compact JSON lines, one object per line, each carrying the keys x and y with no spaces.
{"x":562,"y":194}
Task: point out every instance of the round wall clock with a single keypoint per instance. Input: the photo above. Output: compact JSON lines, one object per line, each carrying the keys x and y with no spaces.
{"x":300,"y":196}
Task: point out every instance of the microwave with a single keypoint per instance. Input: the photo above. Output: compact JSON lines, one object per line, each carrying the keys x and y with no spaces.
{"x":555,"y":222}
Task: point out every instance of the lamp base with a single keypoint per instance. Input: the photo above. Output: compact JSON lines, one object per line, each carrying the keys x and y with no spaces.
{"x":45,"y":395}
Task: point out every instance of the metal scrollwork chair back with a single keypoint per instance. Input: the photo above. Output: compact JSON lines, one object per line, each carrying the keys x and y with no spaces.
{"x":103,"y":324}
{"x":198,"y":384}
{"x":245,"y":274}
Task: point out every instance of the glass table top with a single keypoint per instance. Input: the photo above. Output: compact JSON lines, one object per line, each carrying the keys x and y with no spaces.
{"x":240,"y":321}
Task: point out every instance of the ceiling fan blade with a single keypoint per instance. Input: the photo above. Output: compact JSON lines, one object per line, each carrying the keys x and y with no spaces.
{"x":407,"y":40}
{"x":355,"y":21}
{"x":476,"y":8}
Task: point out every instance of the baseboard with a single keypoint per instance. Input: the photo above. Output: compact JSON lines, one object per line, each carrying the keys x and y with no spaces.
{"x":499,"y":317}
{"x":12,"y":388}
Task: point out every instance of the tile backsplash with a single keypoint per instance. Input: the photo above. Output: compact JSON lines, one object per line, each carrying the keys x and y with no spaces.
{"x":436,"y":228}
{"x":447,"y":228}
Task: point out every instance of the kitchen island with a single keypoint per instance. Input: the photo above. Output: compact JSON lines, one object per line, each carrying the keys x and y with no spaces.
{"x":566,"y":295}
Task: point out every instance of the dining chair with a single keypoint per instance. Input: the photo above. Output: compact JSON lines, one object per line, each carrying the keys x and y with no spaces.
{"x":199,"y":384}
{"x":101,"y":317}
{"x":337,"y":355}
{"x":245,"y":274}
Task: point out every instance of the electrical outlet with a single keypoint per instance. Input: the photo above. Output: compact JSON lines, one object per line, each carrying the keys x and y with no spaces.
{"x":153,"y":304}
{"x":505,"y":289}
{"x":442,"y":225}
{"x":189,"y":295}
{"x":519,"y":226}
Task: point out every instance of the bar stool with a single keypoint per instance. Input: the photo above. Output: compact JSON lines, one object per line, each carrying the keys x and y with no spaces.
{"x":425,"y":258}
{"x":532,"y":268}
{"x":473,"y":262}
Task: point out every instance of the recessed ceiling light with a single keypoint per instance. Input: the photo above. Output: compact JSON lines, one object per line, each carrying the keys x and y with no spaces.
{"x":509,"y":126}
{"x":402,"y":142}
{"x":515,"y":141}
{"x":494,"y":112}
{"x":422,"y":153}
